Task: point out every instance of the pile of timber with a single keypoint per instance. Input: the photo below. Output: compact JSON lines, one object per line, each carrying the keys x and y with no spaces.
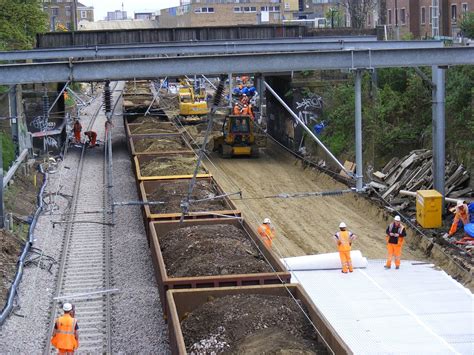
{"x":414,"y":172}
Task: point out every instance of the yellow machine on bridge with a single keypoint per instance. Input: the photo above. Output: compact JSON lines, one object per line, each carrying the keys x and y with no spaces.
{"x":238,"y":138}
{"x":192,"y":108}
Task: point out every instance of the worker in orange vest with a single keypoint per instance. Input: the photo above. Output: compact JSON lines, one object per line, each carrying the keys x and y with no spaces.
{"x":77,"y":128}
{"x":395,"y":238}
{"x":461,"y":214}
{"x":236,"y":110}
{"x":267,"y":232}
{"x":245,"y":110}
{"x":92,"y":138}
{"x":65,"y":334}
{"x":250,"y":112}
{"x":344,"y":239}
{"x":244,"y":99}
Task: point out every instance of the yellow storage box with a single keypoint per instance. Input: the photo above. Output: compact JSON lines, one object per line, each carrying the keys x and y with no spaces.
{"x":429,"y":208}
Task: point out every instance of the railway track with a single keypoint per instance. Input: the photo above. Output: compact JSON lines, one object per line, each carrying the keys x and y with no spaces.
{"x":83,"y":276}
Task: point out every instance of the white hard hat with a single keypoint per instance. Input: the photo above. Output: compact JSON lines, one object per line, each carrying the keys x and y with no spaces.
{"x":67,"y":307}
{"x":266,"y":221}
{"x":397,"y":218}
{"x":342,"y":225}
{"x":459,"y":203}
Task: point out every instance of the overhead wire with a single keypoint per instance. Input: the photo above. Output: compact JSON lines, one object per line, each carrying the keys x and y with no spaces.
{"x":257,"y":220}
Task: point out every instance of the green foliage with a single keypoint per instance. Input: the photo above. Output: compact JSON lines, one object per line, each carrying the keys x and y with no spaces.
{"x":467,"y":25}
{"x":20,"y":21}
{"x":334,"y":18}
{"x":8,"y":150}
{"x":397,"y":115}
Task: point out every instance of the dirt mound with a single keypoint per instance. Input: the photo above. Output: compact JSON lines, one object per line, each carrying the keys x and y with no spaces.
{"x":10,"y":249}
{"x":206,"y":250}
{"x":152,"y":127}
{"x":159,"y":144}
{"x":250,"y":324}
{"x":176,"y":165}
{"x":144,"y":119}
{"x":173,"y":192}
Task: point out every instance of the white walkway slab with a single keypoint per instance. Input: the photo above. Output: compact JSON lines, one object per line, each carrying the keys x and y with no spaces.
{"x":414,"y":310}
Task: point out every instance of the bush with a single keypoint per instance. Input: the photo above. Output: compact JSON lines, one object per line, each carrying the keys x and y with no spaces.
{"x":8,"y":150}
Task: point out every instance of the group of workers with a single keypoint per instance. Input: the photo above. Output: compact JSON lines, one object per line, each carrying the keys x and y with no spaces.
{"x":90,"y":135}
{"x":243,"y":108}
{"x":394,"y":237}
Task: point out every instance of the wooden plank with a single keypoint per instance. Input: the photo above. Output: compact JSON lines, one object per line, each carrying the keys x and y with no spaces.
{"x":378,"y":186}
{"x":379,"y":175}
{"x":390,"y":165}
{"x":392,"y":188}
{"x":350,"y":166}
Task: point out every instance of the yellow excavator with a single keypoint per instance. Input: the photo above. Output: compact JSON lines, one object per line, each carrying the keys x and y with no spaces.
{"x":238,"y":138}
{"x":192,"y":108}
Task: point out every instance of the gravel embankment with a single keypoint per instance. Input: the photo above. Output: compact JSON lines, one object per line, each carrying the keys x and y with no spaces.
{"x":137,"y":319}
{"x":25,"y":330}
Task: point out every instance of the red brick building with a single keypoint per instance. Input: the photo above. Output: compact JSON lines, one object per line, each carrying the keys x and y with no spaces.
{"x":423,"y":18}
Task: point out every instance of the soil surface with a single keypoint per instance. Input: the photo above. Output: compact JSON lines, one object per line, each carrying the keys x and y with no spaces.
{"x":176,"y":165}
{"x":250,"y":324}
{"x":303,"y":225}
{"x":206,"y":250}
{"x":159,"y":144}
{"x":173,"y":192}
{"x":20,"y":200}
{"x":10,"y":249}
{"x":146,"y":119}
{"x":153,"y":127}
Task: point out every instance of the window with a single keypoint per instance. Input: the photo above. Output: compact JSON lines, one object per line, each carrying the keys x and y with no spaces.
{"x":431,"y":15}
{"x":402,"y":16}
{"x":205,"y":10}
{"x":54,"y":11}
{"x":454,"y":13}
{"x":83,"y":14}
{"x":69,"y":26}
{"x":464,"y":8}
{"x":423,"y":15}
{"x":237,"y":9}
{"x":389,"y":17}
{"x":68,"y":10}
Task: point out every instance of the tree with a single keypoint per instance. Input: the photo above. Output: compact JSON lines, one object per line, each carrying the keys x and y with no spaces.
{"x":358,"y":11}
{"x":467,"y":25}
{"x":20,"y":21}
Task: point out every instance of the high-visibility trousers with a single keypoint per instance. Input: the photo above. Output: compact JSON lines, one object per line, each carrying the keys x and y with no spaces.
{"x":77,"y":136}
{"x":394,"y":250}
{"x":346,"y":261}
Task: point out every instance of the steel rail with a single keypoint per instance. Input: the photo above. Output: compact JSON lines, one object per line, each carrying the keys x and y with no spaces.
{"x":149,"y":68}
{"x":69,"y":265}
{"x":214,"y":47}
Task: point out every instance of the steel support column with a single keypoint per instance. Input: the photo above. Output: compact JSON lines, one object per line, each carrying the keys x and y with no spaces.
{"x":439,"y":124}
{"x":230,"y":91}
{"x":358,"y":128}
{"x":13,"y":112}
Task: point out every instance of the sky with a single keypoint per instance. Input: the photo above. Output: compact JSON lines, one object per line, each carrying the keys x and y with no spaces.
{"x":101,"y":7}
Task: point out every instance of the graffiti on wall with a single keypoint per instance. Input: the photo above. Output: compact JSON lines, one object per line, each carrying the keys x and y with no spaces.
{"x":309,"y":108}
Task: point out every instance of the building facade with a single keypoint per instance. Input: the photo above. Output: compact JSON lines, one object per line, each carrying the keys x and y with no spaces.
{"x":116,"y":15}
{"x":426,"y":18}
{"x":202,"y":13}
{"x":61,"y":14}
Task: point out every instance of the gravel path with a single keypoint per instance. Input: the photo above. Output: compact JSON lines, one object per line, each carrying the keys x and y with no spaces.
{"x":137,"y":319}
{"x":25,"y":330}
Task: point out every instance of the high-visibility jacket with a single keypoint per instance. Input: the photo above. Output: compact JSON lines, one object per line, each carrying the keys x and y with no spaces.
{"x":462,"y":214}
{"x":65,"y":338}
{"x":77,"y":127}
{"x":344,"y":240}
{"x":267,"y":233}
{"x":400,"y":230}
